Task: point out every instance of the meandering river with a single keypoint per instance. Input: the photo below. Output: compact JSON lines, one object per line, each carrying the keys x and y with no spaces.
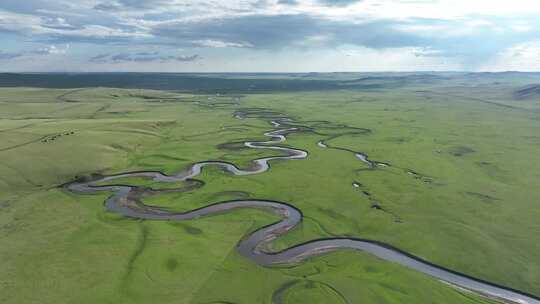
{"x":124,"y":200}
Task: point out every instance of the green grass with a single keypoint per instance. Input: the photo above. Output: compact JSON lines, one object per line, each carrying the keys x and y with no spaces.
{"x":477,"y":214}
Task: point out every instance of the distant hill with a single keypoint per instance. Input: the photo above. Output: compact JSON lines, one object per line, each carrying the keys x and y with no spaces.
{"x":268,"y":82}
{"x":243,"y":82}
{"x":508,"y":74}
{"x":163,"y":81}
{"x":528,"y":92}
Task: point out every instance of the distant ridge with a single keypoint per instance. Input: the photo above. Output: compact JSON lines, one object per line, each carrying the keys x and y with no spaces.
{"x":527,"y":92}
{"x":254,"y":82}
{"x":241,"y":82}
{"x":162,"y":81}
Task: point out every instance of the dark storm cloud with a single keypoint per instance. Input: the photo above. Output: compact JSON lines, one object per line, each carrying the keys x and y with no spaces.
{"x":141,"y":57}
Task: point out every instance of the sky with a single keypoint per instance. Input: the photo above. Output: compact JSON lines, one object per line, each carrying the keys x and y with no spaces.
{"x":269,"y":35}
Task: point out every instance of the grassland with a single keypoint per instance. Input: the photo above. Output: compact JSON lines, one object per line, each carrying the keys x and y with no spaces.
{"x":472,"y":205}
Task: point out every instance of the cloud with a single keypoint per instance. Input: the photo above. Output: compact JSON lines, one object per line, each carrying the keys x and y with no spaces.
{"x":453,"y":39}
{"x":470,"y":32}
{"x":279,"y":31}
{"x":51,"y":50}
{"x":41,"y":51}
{"x":288,"y":2}
{"x":108,"y":7}
{"x":220,"y":44}
{"x":130,"y":5}
{"x":10,"y":55}
{"x":518,"y":57}
{"x":186,"y":58}
{"x":101,"y":58}
{"x":428,"y":52}
{"x":44,"y":28}
{"x":338,"y":2}
{"x":141,"y":57}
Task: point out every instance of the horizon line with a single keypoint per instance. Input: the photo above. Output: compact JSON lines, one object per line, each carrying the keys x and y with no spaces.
{"x":269,"y":73}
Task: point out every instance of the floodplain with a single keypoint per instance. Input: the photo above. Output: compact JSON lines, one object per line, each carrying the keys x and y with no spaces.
{"x":448,"y":171}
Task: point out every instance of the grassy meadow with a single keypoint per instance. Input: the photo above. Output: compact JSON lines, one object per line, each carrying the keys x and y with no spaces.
{"x":462,"y":192}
